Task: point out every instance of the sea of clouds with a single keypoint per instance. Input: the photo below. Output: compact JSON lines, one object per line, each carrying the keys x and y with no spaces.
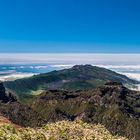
{"x":12,"y":72}
{"x":14,"y":66}
{"x":131,"y":71}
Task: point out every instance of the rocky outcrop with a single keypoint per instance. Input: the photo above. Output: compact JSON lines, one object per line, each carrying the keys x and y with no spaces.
{"x":112,"y":105}
{"x":6,"y":96}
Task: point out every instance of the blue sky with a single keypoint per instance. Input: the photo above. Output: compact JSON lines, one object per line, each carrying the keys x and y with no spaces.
{"x":70,"y":26}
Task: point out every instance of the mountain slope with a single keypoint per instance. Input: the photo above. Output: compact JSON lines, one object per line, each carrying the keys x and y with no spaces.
{"x":17,"y":112}
{"x":63,"y":130}
{"x":77,"y":77}
{"x":112,"y":105}
{"x":15,"y":115}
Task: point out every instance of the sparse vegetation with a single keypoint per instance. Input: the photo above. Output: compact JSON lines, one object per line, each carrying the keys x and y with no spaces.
{"x":62,"y":130}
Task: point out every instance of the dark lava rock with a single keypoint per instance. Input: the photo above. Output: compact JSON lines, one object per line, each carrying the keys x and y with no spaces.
{"x":6,"y":97}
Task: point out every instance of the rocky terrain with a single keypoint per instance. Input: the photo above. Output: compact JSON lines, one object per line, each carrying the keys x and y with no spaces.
{"x":111,"y":105}
{"x":16,"y":116}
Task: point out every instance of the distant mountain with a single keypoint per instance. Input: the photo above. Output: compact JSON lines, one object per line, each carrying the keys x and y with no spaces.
{"x":112,"y":105}
{"x":77,"y":77}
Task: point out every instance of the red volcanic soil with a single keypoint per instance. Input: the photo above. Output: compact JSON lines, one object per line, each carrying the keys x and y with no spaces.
{"x":4,"y":120}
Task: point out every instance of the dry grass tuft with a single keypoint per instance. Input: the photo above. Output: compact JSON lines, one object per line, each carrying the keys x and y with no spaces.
{"x":62,"y":130}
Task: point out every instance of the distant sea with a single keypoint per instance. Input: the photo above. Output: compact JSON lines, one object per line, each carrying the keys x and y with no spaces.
{"x":16,"y":71}
{"x":11,"y":72}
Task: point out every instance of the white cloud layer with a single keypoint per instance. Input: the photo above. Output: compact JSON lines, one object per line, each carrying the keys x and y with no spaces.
{"x":135,"y":76}
{"x":66,"y":58}
{"x":15,"y":76}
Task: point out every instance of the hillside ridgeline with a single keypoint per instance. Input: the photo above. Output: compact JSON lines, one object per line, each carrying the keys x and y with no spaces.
{"x":78,"y":77}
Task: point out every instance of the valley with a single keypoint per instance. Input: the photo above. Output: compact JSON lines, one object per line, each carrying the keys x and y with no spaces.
{"x":106,"y":102}
{"x":77,"y":77}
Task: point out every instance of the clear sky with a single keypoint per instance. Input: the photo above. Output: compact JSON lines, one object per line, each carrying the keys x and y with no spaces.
{"x":70,"y":26}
